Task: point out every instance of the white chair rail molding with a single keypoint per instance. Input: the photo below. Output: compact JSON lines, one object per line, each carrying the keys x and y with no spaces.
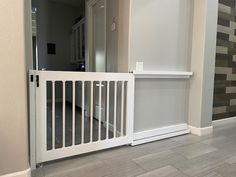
{"x":160,"y":104}
{"x":163,"y":74}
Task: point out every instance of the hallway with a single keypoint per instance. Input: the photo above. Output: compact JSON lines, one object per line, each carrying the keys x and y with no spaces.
{"x":68,"y":127}
{"x":183,"y":156}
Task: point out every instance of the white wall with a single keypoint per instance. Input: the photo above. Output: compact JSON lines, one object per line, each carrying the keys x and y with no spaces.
{"x":160,"y":36}
{"x":123,"y":36}
{"x":54,"y":25}
{"x":117,"y":40}
{"x":112,"y":36}
{"x":14,"y":50}
{"x":203,"y":62}
{"x":99,"y":25}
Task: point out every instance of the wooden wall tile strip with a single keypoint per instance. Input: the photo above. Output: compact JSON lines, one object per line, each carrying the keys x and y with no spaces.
{"x":225,"y":71}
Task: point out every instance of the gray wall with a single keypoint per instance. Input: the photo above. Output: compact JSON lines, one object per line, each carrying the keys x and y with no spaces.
{"x":161,"y":38}
{"x":13,"y":102}
{"x":159,"y":103}
{"x":209,"y":62}
{"x":54,"y":25}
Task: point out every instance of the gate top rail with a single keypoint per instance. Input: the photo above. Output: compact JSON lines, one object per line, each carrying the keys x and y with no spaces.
{"x":84,"y":76}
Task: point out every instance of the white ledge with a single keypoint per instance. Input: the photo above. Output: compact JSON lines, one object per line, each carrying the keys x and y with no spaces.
{"x":163,"y":74}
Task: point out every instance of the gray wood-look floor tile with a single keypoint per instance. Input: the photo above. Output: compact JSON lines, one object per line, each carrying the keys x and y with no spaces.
{"x":69,"y":166}
{"x":122,"y":168}
{"x":225,"y":152}
{"x":227,"y":170}
{"x":215,"y":140}
{"x":227,"y":130}
{"x":120,"y":163}
{"x":231,"y":160}
{"x":211,"y":174}
{"x":38,"y":173}
{"x":221,"y":142}
{"x":158,"y":160}
{"x":194,"y":150}
{"x":126,"y":152}
{"x":183,"y":156}
{"x":167,"y":171}
{"x":201,"y":164}
{"x":89,"y":170}
{"x":159,"y":146}
{"x":189,"y":139}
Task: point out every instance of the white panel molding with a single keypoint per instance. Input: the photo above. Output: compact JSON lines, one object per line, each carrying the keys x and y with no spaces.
{"x":159,"y":134}
{"x":201,"y":131}
{"x":163,"y":74}
{"x":224,"y":121}
{"x":26,"y":173}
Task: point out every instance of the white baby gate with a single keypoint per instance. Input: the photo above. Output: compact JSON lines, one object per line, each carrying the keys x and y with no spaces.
{"x":77,"y":113}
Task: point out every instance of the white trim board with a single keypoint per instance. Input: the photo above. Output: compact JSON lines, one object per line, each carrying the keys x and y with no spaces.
{"x":224,"y":121}
{"x":159,"y":134}
{"x":111,"y":127}
{"x":163,"y":74}
{"x":201,"y":131}
{"x":26,"y":173}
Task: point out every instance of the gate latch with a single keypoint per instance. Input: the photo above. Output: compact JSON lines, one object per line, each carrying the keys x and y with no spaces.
{"x":37,"y":80}
{"x":31,"y":78}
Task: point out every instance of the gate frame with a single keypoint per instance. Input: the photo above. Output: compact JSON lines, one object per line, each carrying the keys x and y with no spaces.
{"x":32,"y":118}
{"x":34,"y":132}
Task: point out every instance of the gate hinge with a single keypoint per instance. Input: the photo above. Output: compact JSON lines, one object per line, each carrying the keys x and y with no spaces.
{"x":37,"y":80}
{"x":31,"y":78}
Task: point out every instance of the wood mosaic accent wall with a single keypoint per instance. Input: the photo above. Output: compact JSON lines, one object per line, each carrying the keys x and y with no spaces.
{"x":225,"y":71}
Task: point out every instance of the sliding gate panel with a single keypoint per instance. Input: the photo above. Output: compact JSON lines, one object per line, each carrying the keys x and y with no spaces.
{"x":66,"y":105}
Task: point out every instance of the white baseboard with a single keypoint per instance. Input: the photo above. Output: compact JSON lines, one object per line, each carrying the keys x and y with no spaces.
{"x":224,"y":121}
{"x":201,"y":131}
{"x":159,"y":134}
{"x":111,"y":128}
{"x":26,"y":173}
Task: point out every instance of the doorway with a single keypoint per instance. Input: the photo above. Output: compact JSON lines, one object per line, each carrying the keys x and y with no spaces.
{"x":60,"y":34}
{"x":76,"y":111}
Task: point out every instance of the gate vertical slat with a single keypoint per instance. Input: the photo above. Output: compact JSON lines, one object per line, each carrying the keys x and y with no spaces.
{"x":91,"y":113}
{"x":115,"y":104}
{"x":82,"y":115}
{"x":108,"y":102}
{"x":122,"y":109}
{"x":100,"y":111}
{"x":64,"y":115}
{"x":53,"y":115}
{"x":73,"y":113}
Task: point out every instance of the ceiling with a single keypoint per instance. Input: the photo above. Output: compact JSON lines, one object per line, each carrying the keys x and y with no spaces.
{"x":70,"y":2}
